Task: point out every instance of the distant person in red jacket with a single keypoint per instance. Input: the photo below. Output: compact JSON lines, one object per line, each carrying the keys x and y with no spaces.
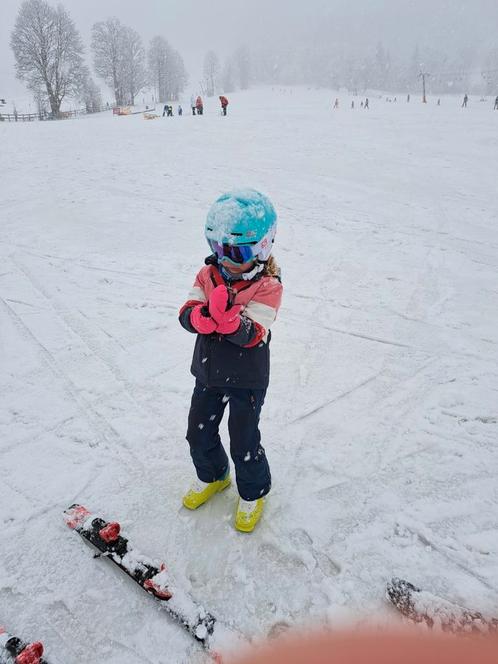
{"x":224,"y":104}
{"x":199,"y":105}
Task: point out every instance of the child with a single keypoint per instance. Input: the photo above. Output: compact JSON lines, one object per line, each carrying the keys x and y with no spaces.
{"x":234,"y":300}
{"x":224,"y":104}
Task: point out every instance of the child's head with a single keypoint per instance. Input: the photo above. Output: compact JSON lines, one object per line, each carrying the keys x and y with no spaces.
{"x":240,"y":229}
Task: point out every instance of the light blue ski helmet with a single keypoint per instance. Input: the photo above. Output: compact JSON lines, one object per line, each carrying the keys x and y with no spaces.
{"x":242,"y":217}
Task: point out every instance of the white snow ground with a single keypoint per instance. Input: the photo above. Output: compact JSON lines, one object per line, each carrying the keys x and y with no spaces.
{"x":381,"y":420}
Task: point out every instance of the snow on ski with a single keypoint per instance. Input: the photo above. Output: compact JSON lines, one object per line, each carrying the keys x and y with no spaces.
{"x":154,"y":578}
{"x":14,"y":650}
{"x":437,"y":613}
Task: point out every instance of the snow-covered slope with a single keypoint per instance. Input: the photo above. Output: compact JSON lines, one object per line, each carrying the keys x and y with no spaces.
{"x":381,"y":420}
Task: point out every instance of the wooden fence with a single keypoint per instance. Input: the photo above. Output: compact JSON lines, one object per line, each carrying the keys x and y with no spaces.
{"x":63,"y":115}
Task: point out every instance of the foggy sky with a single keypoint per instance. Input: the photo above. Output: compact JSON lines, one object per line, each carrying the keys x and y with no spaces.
{"x":194,"y":26}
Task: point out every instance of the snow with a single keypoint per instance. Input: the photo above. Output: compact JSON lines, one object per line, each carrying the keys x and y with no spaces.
{"x":381,"y":419}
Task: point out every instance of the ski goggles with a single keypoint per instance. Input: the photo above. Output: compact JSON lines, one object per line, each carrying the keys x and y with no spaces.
{"x":234,"y":253}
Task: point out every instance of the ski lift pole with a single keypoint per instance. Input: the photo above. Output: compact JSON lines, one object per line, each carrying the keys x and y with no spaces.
{"x":422,"y":75}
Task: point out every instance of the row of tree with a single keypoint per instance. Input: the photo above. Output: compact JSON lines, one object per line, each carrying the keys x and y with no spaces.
{"x":121,"y":61}
{"x":235,"y":72}
{"x":331,"y":65}
{"x":49,"y":58}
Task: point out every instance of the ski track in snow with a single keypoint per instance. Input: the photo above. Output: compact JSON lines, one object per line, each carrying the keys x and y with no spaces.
{"x":381,"y":419}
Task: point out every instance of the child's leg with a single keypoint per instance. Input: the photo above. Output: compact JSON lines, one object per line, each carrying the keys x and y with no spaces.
{"x":206,"y":410}
{"x":251,"y":466}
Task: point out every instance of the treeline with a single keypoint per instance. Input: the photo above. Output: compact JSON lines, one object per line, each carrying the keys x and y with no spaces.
{"x":235,"y":72}
{"x":49,"y":58}
{"x":327,"y":65}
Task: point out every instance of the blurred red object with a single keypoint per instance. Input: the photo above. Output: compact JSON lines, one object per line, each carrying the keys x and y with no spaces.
{"x":376,"y":648}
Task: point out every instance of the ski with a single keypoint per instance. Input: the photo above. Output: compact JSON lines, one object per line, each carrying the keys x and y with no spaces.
{"x":421,"y":606}
{"x":14,"y":650}
{"x":153,"y":577}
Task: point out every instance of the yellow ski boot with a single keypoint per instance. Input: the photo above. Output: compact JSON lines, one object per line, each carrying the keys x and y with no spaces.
{"x":248,"y":514}
{"x":201,"y":492}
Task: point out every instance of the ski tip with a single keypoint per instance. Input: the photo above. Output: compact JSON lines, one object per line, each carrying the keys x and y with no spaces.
{"x":75,"y":516}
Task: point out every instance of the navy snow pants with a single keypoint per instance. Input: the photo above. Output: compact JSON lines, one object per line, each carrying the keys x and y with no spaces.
{"x":210,"y":459}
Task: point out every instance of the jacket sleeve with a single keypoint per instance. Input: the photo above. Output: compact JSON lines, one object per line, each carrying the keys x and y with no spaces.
{"x":258,"y":315}
{"x":196,"y":296}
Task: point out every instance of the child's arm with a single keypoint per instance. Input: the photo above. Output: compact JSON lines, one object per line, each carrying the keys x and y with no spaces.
{"x":258,"y":315}
{"x":196,"y":297}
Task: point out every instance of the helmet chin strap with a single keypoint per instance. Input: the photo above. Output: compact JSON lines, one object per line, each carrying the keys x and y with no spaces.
{"x":245,"y":276}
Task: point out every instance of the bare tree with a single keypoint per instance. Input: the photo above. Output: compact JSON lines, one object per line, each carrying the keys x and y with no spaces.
{"x":211,"y":72}
{"x":490,"y":75}
{"x":227,"y":77}
{"x":243,"y":65}
{"x":41,"y":104}
{"x":158,"y":61}
{"x":179,"y":76}
{"x":108,"y":56}
{"x":135,"y":77}
{"x":90,"y":96}
{"x":167,"y":71}
{"x":48,"y":52}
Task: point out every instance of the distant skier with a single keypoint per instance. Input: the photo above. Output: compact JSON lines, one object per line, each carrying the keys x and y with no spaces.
{"x":234,"y":300}
{"x":439,"y":102}
{"x":352,"y":104}
{"x":496,"y":104}
{"x":366,"y":104}
{"x":180,"y":110}
{"x":336,"y":104}
{"x":199,"y":106}
{"x":361,"y":105}
{"x":407,"y":98}
{"x":165,"y":109}
{"x":224,"y":104}
{"x":192,"y":104}
{"x":169,"y":112}
{"x":465,"y":101}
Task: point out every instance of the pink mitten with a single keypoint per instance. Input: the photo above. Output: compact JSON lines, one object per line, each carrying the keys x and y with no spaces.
{"x":230,"y":321}
{"x":203,"y":323}
{"x":218,"y":301}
